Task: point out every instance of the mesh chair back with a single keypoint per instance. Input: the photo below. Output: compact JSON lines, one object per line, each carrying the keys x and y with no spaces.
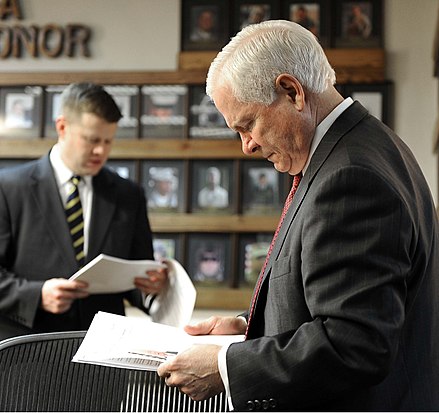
{"x":36,"y":374}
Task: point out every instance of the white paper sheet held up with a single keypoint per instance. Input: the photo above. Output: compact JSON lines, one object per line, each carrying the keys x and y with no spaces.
{"x":106,"y":274}
{"x":174,"y":306}
{"x":137,"y":343}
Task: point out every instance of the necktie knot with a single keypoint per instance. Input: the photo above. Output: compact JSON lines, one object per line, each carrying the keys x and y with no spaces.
{"x":75,"y":179}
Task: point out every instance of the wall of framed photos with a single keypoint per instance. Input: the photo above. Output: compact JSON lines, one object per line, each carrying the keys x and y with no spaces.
{"x":210,"y":206}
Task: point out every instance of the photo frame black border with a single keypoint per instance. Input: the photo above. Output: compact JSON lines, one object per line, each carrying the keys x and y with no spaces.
{"x":165,"y":130}
{"x":187,"y":12}
{"x":197,"y":240}
{"x":384,"y":88}
{"x":198,"y":176}
{"x":182,"y":182}
{"x":237,"y":7}
{"x":35,"y":129}
{"x":375,"y":40}
{"x":324,"y":36}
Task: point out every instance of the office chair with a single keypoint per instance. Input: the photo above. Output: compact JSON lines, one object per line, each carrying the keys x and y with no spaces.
{"x":36,"y":374}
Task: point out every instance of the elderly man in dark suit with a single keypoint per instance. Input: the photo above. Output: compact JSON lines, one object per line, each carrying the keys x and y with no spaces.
{"x":345,"y":314}
{"x":37,"y":255}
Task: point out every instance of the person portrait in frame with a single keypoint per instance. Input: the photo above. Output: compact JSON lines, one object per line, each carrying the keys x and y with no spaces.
{"x":163,"y":188}
{"x":213,"y":195}
{"x":307,"y":15}
{"x":19,"y":109}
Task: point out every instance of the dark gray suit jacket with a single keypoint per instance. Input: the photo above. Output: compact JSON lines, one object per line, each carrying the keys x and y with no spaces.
{"x":35,"y":245}
{"x":348,"y":314}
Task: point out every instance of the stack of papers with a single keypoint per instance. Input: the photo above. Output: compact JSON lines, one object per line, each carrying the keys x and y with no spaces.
{"x":137,"y":343}
{"x":173,"y":306}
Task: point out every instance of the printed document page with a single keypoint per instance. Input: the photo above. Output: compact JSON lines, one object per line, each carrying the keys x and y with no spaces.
{"x":137,"y":343}
{"x":106,"y":274}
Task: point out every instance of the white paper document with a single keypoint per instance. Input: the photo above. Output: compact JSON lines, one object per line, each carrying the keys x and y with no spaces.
{"x":137,"y":343}
{"x":106,"y":274}
{"x":174,"y":306}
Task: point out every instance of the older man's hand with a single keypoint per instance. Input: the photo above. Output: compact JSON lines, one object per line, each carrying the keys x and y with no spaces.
{"x":194,"y":371}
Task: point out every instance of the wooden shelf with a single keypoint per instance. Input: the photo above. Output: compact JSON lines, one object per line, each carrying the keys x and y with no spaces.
{"x":223,"y":298}
{"x":181,"y":222}
{"x":186,"y":77}
{"x":351,"y":65}
{"x":136,"y":148}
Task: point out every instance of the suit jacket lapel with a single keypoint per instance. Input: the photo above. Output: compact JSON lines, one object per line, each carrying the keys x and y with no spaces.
{"x":44,"y":190}
{"x":103,"y":209}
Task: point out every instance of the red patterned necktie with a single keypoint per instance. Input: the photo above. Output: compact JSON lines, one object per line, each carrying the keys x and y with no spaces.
{"x":287,"y":204}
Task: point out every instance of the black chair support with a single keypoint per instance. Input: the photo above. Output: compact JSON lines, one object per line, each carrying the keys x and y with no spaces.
{"x":37,"y":374}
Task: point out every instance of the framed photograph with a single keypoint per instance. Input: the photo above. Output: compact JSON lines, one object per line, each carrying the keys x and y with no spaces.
{"x":206,"y":121}
{"x":208,"y":259}
{"x":125,"y":169}
{"x":20,"y":111}
{"x":311,"y":14}
{"x":375,"y":97}
{"x":247,"y":12}
{"x":164,"y":184}
{"x":127,"y":98}
{"x":253,"y":249}
{"x":52,"y":99}
{"x":204,"y":24}
{"x":212,"y":187}
{"x":358,"y":23}
{"x":167,"y":246}
{"x":164,"y":109}
{"x":265,"y":188}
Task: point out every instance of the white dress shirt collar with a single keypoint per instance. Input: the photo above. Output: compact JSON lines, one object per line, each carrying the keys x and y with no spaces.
{"x":323,"y":127}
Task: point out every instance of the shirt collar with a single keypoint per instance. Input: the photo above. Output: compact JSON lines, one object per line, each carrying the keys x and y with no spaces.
{"x":62,"y":172}
{"x":323,"y":127}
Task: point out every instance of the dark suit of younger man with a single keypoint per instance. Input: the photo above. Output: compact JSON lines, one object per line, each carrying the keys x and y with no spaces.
{"x":37,"y":256}
{"x":35,"y":243}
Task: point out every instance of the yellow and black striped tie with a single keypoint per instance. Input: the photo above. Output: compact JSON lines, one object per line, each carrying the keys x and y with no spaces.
{"x":75,"y":219}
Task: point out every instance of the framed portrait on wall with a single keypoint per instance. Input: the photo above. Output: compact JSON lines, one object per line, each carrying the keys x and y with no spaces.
{"x":167,"y":246}
{"x":358,"y":23}
{"x":52,"y":103}
{"x":124,"y":168}
{"x":204,"y":24}
{"x":265,"y":188}
{"x":20,"y":111}
{"x":248,"y":12}
{"x":206,"y":122}
{"x":164,"y":183}
{"x":164,"y":109}
{"x":375,"y":97}
{"x":212,"y":187}
{"x":127,"y":98}
{"x":253,"y":249}
{"x":208,"y":259}
{"x":313,"y":15}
